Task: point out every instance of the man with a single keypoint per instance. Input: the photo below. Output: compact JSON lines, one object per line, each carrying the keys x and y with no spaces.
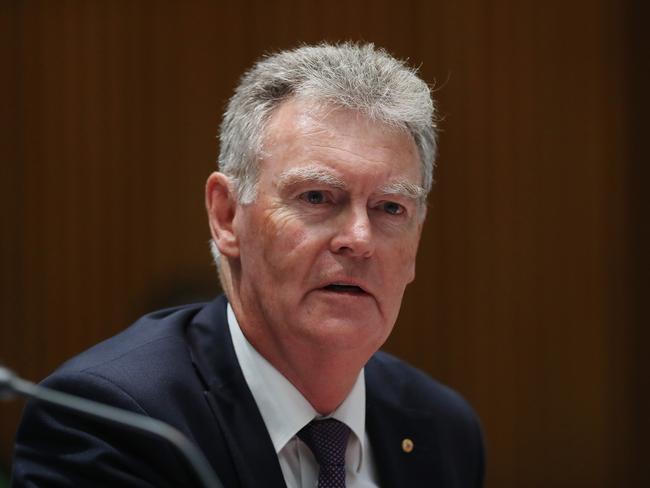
{"x":326,"y":161}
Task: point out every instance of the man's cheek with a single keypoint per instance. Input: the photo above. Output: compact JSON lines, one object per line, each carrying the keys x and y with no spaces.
{"x":293,"y":238}
{"x":406,"y":263}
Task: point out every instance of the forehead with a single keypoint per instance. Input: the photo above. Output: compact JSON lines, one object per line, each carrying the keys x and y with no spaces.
{"x":303,"y":132}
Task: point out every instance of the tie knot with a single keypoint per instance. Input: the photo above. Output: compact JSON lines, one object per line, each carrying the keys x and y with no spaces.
{"x":327,"y":439}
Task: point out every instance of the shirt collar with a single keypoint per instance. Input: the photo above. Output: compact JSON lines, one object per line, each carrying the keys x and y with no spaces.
{"x":283,"y":408}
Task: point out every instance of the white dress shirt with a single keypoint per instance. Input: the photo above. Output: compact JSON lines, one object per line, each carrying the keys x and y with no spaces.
{"x":285,"y":411}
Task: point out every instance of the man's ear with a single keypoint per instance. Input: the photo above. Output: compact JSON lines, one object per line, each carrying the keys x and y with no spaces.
{"x":221,"y":205}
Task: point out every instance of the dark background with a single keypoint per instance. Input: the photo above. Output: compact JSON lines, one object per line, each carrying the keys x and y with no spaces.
{"x":533,"y":270}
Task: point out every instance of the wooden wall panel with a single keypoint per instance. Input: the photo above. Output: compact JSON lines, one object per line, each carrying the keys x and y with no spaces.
{"x":638,"y":241}
{"x":528,"y":296}
{"x":11,"y":306}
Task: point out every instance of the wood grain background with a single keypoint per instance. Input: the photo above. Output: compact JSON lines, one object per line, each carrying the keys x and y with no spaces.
{"x":533,"y":270}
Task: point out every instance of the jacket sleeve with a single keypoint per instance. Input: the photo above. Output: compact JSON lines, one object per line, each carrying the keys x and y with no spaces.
{"x":59,"y":448}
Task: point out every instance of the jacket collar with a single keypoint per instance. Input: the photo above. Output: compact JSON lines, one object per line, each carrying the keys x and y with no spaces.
{"x":404,"y":442}
{"x":246,"y":441}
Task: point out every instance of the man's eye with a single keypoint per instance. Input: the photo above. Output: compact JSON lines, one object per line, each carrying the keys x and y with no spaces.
{"x":314,"y":197}
{"x":392,"y":208}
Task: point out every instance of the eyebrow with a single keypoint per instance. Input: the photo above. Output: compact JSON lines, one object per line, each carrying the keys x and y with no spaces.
{"x":404,"y":189}
{"x":298,"y":176}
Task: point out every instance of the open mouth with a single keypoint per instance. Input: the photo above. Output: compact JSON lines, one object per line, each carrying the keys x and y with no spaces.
{"x":343,"y":288}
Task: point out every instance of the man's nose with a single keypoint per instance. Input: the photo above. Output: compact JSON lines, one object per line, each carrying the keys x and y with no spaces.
{"x":353,"y":235}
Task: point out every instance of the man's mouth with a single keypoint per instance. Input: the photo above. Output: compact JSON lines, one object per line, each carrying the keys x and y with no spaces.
{"x":345,"y":288}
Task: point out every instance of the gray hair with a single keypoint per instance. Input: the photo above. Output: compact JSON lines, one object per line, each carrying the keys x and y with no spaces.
{"x":359,"y":77}
{"x":355,"y":76}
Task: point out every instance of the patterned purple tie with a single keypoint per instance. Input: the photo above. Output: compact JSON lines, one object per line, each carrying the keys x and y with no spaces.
{"x":328,"y":440}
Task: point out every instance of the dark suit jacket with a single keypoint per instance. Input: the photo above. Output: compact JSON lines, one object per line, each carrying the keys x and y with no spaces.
{"x":179,"y":365}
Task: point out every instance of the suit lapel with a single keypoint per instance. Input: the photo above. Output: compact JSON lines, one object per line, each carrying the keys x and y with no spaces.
{"x":405,"y":451}
{"x":242,"y":453}
{"x":246,"y":457}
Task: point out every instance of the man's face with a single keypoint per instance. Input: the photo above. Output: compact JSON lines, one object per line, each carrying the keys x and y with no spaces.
{"x":329,"y":245}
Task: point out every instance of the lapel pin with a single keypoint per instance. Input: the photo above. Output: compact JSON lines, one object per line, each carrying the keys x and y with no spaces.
{"x":407,"y":445}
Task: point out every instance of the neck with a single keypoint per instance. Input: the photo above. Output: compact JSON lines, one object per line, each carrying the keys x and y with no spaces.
{"x":324,"y":375}
{"x":325,"y":381}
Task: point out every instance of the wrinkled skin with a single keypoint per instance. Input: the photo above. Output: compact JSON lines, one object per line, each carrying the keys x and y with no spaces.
{"x":330,"y":210}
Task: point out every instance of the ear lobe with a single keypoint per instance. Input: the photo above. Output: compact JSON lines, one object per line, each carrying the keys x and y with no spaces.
{"x":221,"y":204}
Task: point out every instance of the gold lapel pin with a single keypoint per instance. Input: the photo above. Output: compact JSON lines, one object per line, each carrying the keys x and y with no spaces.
{"x":407,"y":445}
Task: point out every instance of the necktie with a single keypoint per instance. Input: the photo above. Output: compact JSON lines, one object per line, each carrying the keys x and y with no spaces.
{"x":328,"y":440}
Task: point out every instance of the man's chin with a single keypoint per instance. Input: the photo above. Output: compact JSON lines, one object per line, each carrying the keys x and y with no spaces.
{"x":343,"y":301}
{"x":346,"y":331}
{"x":348,"y":319}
